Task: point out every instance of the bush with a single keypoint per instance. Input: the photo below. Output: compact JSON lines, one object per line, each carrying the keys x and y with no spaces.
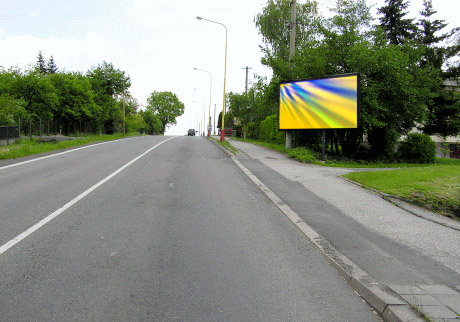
{"x":418,"y":148}
{"x":302,"y":154}
{"x":269,"y":130}
{"x":252,"y":130}
{"x":383,"y":143}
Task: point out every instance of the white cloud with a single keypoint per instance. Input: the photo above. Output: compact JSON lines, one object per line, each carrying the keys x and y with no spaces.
{"x":71,"y":54}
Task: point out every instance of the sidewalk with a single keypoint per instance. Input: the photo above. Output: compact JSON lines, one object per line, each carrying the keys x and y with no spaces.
{"x":403,"y":256}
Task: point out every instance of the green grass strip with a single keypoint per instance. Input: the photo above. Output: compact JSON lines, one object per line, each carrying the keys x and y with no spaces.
{"x":435,"y":187}
{"x":26,"y":147}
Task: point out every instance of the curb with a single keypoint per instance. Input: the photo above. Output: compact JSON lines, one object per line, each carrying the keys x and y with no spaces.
{"x":390,"y":306}
{"x":409,"y":207}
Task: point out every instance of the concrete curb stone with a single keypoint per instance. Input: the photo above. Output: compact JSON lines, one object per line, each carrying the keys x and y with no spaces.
{"x":386,"y":302}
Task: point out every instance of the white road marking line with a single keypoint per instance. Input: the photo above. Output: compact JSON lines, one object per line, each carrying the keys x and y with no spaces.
{"x":56,"y":154}
{"x":50,"y":217}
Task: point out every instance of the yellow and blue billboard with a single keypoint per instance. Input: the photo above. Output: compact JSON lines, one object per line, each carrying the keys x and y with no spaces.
{"x":325,"y":103}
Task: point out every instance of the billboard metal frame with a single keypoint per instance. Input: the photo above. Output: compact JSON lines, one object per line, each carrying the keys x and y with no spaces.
{"x":358,"y":100}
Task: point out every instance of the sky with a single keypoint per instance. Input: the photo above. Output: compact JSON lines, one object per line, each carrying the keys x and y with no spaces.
{"x":158,"y":43}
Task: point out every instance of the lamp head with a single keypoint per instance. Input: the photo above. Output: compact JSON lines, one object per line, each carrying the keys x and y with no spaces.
{"x":199,"y":18}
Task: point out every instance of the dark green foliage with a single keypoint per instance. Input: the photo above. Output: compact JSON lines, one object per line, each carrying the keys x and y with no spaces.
{"x":397,"y":28}
{"x":444,"y":109}
{"x":269,"y":130}
{"x":44,"y":95}
{"x":395,"y":90}
{"x":153,"y":123}
{"x":418,"y":148}
{"x":383,"y":142}
{"x":41,"y":65}
{"x":108,"y":84}
{"x":302,"y":154}
{"x":444,"y":116}
{"x":252,"y":130}
{"x":274,"y":25}
{"x":51,"y":67}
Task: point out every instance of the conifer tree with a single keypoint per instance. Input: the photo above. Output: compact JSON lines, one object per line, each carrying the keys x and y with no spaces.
{"x":444,"y":109}
{"x":41,"y":65}
{"x":397,"y":29}
{"x":51,"y":67}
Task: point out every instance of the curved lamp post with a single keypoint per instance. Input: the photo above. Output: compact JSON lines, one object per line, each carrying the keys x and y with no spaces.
{"x":222,"y":134}
{"x":210,"y":89}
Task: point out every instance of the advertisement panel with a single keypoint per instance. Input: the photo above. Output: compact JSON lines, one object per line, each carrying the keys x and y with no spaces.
{"x":325,"y":103}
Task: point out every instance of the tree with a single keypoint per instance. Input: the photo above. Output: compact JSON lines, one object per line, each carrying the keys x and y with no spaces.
{"x":75,"y":96}
{"x":152,"y":122}
{"x":38,"y":93}
{"x":274,"y":25}
{"x":136,"y":122}
{"x":107,"y":83}
{"x":166,"y":106}
{"x":444,"y":108}
{"x":41,"y":65}
{"x":394,"y":90}
{"x":396,"y":28}
{"x":51,"y":67}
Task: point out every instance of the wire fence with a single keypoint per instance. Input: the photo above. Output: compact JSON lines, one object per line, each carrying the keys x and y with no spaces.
{"x":46,"y":128}
{"x":9,"y":132}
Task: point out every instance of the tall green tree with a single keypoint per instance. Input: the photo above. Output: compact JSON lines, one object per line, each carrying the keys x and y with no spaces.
{"x":12,"y":107}
{"x":444,"y":108}
{"x":51,"y":67}
{"x":41,"y":64}
{"x":108,"y":83}
{"x":38,"y":93}
{"x":394,"y":90}
{"x":153,"y":124}
{"x":165,"y":105}
{"x":75,"y":96}
{"x":274,"y":24}
{"x":397,"y":28}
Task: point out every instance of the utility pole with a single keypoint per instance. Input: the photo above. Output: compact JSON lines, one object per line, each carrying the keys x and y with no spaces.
{"x":291,"y":55}
{"x":215,"y":105}
{"x":124,"y":113}
{"x":247,"y":70}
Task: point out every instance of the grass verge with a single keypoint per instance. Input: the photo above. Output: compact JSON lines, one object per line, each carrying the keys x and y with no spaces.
{"x":25,"y":146}
{"x":433,"y":186}
{"x":226,"y":145}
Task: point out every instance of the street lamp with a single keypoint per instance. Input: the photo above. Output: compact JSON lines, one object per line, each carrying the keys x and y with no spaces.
{"x":222,"y":135}
{"x":210,"y":89}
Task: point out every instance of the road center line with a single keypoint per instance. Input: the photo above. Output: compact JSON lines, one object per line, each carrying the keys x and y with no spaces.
{"x":50,"y":217}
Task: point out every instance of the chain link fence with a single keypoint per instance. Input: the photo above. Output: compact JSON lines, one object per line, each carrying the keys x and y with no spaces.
{"x":48,"y":127}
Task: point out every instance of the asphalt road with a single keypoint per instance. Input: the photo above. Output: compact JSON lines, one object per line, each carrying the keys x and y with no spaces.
{"x":178,"y":234}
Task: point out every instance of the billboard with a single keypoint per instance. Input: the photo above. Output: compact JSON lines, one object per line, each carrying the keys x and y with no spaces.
{"x":325,"y":103}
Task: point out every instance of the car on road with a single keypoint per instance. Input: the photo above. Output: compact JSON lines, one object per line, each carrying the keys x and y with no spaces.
{"x":191,"y":132}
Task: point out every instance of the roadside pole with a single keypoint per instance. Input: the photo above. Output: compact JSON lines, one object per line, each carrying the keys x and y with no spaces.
{"x":291,"y":55}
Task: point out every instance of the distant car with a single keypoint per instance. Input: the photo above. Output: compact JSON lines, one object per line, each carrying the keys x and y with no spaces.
{"x":191,"y":132}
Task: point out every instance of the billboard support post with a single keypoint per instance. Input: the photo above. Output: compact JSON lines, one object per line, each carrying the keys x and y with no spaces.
{"x":323,"y":149}
{"x":288,"y":140}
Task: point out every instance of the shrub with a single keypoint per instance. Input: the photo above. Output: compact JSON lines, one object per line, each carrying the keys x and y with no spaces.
{"x":252,"y":130}
{"x":418,"y":148}
{"x":302,"y":154}
{"x":383,"y":143}
{"x":268,"y":131}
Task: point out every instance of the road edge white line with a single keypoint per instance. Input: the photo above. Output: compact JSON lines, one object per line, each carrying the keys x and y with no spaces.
{"x":56,"y":213}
